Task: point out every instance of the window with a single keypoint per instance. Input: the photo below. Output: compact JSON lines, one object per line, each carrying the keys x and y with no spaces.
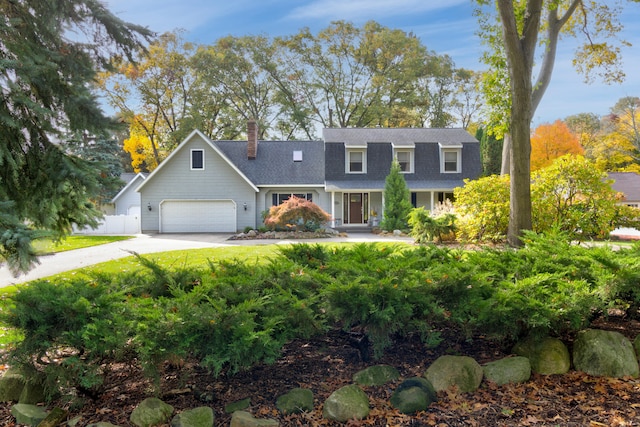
{"x":405,"y":160}
{"x":442,"y":196}
{"x":279,"y":198}
{"x":356,"y":161}
{"x":197,"y":159}
{"x":450,"y":161}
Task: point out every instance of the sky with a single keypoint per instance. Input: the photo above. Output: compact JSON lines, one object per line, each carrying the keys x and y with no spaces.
{"x":446,"y":27}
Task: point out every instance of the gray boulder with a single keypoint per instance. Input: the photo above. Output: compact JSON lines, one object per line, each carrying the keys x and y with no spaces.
{"x":509,"y":370}
{"x":296,"y":401}
{"x":604,"y":353}
{"x":11,"y":385}
{"x":376,"y":375}
{"x":636,"y":346}
{"x":32,"y":393}
{"x":413,"y":395}
{"x":240,"y":405}
{"x":28,"y":414}
{"x":462,"y":372}
{"x":197,"y":417}
{"x":245,"y":419}
{"x":346,"y":403}
{"x":151,"y":412}
{"x":547,"y":355}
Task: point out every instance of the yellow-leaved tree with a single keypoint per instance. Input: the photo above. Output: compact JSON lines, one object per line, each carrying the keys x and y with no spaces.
{"x":550,"y":141}
{"x":140,"y":148}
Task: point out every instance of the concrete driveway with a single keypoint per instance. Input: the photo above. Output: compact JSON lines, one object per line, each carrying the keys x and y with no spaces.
{"x":150,"y":243}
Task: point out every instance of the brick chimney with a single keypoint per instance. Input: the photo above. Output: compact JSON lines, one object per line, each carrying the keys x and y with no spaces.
{"x":252,"y":139}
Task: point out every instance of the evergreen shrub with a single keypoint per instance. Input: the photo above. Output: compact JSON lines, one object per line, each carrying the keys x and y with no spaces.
{"x":232,"y":314}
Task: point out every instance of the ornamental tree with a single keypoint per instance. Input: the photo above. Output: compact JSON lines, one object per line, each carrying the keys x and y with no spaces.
{"x":550,"y":141}
{"x":298,"y":213}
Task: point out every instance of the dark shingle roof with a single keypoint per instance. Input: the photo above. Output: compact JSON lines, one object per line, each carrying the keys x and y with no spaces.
{"x":398,"y":136}
{"x":627,"y":183}
{"x":274,"y":163}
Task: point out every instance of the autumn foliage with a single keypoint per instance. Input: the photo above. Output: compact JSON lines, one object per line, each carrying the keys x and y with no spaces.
{"x":296,"y":213}
{"x":139,"y":147}
{"x":550,"y":141}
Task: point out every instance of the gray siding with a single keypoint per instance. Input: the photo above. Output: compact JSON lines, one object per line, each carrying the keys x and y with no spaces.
{"x":176,"y":180}
{"x":130,"y":197}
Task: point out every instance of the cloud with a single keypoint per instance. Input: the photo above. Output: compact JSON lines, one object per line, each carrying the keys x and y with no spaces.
{"x":354,"y":10}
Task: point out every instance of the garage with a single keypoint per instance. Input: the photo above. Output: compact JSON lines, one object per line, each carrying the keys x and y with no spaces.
{"x":198,"y":216}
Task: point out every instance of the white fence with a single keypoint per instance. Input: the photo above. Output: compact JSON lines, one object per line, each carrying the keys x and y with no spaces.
{"x":114,"y":224}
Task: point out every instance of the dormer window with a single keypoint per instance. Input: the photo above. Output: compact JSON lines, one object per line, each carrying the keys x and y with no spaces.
{"x":450,"y":157}
{"x":197,"y":159}
{"x":356,"y":161}
{"x":450,"y":161}
{"x":405,"y":160}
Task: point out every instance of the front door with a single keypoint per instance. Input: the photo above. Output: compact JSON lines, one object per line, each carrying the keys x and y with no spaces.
{"x":355,"y":208}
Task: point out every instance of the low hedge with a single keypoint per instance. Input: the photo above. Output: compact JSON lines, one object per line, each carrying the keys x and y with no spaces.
{"x":232,"y":314}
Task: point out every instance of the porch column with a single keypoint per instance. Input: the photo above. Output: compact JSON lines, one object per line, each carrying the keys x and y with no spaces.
{"x":333,"y":209}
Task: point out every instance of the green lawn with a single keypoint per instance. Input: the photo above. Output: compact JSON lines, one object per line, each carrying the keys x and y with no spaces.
{"x":184,"y":258}
{"x":48,"y":246}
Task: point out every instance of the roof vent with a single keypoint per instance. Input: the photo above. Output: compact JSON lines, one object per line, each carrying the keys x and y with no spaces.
{"x":297,"y":156}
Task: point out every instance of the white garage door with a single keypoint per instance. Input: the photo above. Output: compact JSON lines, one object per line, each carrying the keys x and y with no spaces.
{"x":197,"y":216}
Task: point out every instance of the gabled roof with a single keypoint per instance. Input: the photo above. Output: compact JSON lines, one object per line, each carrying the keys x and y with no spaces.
{"x":627,"y":183}
{"x":274,"y":164}
{"x":132,"y":181}
{"x":212,"y":145}
{"x":399,"y":137}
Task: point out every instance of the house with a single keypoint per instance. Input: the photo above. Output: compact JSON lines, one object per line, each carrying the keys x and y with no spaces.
{"x":628,"y":184}
{"x":127,"y":201}
{"x":225,"y":186}
{"x":433,"y":161}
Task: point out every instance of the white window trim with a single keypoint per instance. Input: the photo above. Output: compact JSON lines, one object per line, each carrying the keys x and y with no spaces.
{"x":458,"y":152}
{"x":191,"y":159}
{"x":411,"y":157}
{"x":348,"y":152}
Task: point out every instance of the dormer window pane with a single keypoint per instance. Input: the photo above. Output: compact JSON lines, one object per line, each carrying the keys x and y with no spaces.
{"x":451,"y":161}
{"x":356,"y":161}
{"x":197,"y":159}
{"x":404,"y":160}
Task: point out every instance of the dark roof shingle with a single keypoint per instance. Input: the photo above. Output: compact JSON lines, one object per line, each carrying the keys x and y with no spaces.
{"x":398,"y":136}
{"x":274,"y":164}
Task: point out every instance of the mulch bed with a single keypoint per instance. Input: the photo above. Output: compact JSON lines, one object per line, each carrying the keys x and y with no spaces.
{"x":326,"y":363}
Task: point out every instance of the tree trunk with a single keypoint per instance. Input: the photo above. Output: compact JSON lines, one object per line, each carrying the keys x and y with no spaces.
{"x":506,"y":155}
{"x":520,"y":194}
{"x":520,"y":44}
{"x":520,"y":154}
